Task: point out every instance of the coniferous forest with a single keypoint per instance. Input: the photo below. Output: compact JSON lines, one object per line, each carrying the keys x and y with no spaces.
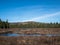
{"x":4,"y":24}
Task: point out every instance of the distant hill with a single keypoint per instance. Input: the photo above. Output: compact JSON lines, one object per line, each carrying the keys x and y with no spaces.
{"x":28,"y":24}
{"x":33,"y":24}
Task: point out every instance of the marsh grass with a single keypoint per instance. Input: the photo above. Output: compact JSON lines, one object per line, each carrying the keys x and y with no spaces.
{"x":30,"y":40}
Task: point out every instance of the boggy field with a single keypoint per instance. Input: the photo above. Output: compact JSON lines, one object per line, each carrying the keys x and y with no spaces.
{"x":29,"y":40}
{"x":39,"y":31}
{"x":32,"y":30}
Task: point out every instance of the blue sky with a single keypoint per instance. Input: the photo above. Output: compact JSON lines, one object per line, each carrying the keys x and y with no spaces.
{"x":30,"y":10}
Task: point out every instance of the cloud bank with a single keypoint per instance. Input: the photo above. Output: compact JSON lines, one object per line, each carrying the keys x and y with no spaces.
{"x":43,"y":16}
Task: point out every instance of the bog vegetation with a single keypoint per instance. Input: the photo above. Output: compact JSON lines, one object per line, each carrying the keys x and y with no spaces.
{"x":6,"y":24}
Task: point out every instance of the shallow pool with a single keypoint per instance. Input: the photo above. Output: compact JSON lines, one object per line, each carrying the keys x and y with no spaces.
{"x":13,"y":34}
{"x":9,"y":34}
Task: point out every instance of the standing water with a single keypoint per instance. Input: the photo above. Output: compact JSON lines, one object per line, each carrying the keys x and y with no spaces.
{"x":14,"y":34}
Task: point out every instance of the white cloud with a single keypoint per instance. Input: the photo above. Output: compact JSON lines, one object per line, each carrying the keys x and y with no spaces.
{"x":44,"y":16}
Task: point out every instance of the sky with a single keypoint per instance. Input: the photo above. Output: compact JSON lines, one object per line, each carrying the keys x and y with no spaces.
{"x":30,"y":10}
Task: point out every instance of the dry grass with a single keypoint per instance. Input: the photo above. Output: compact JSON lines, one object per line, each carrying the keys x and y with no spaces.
{"x":33,"y":30}
{"x":30,"y":40}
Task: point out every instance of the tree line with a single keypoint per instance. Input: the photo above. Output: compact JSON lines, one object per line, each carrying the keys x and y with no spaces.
{"x":36,"y":25}
{"x":4,"y":24}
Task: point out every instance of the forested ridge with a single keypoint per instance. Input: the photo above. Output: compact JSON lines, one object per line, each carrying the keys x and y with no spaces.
{"x":35,"y":25}
{"x":32,"y":24}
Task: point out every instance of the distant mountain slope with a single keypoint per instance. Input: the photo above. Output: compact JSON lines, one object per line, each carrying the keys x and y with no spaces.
{"x":23,"y":22}
{"x":32,"y":24}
